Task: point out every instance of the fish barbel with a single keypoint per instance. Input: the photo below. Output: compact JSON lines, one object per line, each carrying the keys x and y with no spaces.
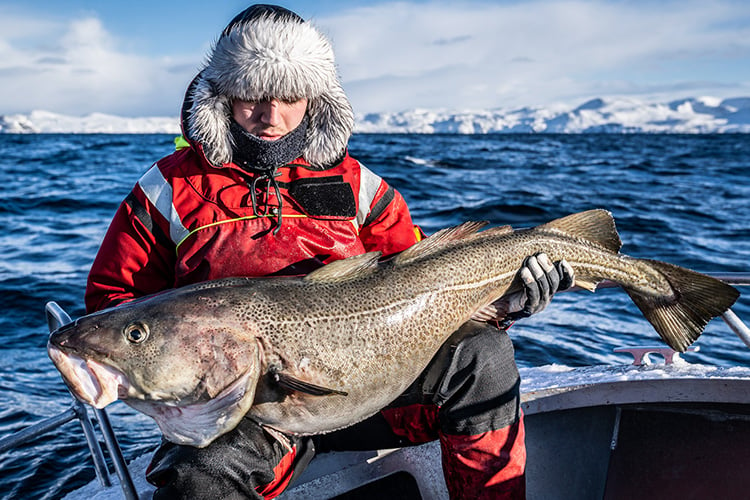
{"x":309,"y":355}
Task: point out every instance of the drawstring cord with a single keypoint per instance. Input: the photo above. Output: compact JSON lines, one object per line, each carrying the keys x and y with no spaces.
{"x":270,"y":177}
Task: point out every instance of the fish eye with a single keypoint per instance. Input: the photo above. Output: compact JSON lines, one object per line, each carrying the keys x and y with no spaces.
{"x":136,"y":333}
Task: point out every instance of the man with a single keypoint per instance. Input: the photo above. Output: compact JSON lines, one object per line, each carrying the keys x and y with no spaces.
{"x":263,"y":185}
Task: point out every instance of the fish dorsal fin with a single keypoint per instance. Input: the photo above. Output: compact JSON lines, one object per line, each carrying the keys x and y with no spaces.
{"x":596,"y":226}
{"x":438,"y":241}
{"x":498,"y":230}
{"x":346,"y":269}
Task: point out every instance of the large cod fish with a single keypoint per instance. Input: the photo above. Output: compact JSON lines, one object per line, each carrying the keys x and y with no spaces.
{"x":313,"y":354}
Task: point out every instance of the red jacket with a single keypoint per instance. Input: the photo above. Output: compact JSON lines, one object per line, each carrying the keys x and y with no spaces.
{"x":187,"y":221}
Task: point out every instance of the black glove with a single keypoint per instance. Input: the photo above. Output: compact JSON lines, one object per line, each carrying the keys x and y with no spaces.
{"x":541,"y":280}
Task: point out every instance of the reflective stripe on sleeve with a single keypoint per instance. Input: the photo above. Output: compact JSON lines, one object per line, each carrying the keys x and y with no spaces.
{"x":159,"y":193}
{"x":369,"y":183}
{"x":140,"y":213}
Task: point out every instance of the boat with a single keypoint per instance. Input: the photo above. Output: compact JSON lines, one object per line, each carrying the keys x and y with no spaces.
{"x":659,"y":427}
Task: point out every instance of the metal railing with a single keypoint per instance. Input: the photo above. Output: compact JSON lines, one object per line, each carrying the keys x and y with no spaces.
{"x":729,"y":317}
{"x":57,"y":317}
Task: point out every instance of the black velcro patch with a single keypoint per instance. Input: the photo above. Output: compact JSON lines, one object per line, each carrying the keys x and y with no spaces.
{"x":324,"y":196}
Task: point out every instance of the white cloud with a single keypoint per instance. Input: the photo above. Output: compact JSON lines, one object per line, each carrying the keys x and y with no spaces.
{"x":510,"y":54}
{"x":77,"y":67}
{"x":401,"y":55}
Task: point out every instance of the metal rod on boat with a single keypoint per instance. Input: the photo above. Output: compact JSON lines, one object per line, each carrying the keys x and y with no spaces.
{"x":729,"y":317}
{"x":737,"y":326}
{"x":36,"y":430}
{"x":121,"y":468}
{"x":733,"y":278}
{"x":97,"y":454}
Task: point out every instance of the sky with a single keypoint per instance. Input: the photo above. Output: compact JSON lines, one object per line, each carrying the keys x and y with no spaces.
{"x":136,"y":58}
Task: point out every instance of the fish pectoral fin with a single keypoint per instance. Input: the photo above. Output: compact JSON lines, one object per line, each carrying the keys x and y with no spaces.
{"x":486,"y":313}
{"x":499,"y":309}
{"x":294,"y":384}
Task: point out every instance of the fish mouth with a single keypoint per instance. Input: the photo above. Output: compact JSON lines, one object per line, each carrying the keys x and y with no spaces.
{"x":92,"y":382}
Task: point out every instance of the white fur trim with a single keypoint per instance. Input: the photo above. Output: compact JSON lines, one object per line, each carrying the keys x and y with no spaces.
{"x":265,"y":58}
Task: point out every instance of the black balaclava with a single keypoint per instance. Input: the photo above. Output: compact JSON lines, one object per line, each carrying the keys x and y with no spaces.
{"x":255,"y":154}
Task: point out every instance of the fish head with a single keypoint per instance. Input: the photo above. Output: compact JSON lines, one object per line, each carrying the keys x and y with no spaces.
{"x":165,"y":358}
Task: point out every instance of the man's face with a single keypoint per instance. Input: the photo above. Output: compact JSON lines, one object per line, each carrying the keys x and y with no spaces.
{"x":270,"y":119}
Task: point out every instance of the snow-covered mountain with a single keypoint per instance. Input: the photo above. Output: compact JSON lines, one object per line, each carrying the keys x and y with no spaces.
{"x":610,"y":115}
{"x":45,"y":122}
{"x":693,"y":115}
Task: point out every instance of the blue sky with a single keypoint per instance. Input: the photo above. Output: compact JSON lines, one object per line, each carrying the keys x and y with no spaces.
{"x":135,"y":58}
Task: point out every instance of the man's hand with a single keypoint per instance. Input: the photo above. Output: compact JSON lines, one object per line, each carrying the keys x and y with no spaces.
{"x":541,"y":280}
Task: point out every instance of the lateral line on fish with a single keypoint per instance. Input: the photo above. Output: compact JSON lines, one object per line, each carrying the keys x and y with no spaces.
{"x":398,"y":303}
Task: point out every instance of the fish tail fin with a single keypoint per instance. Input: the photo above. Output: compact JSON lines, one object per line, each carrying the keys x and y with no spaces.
{"x":680,"y":318}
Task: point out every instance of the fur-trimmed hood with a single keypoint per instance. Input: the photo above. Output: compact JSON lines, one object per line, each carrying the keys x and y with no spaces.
{"x":265,"y":52}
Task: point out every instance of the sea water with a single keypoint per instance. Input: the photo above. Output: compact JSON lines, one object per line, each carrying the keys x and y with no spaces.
{"x":684,"y":199}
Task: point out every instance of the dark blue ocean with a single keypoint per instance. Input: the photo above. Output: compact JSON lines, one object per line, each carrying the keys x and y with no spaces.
{"x":684,"y":199}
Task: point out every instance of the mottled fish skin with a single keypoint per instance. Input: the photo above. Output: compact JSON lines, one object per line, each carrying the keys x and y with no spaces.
{"x":357,"y":332}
